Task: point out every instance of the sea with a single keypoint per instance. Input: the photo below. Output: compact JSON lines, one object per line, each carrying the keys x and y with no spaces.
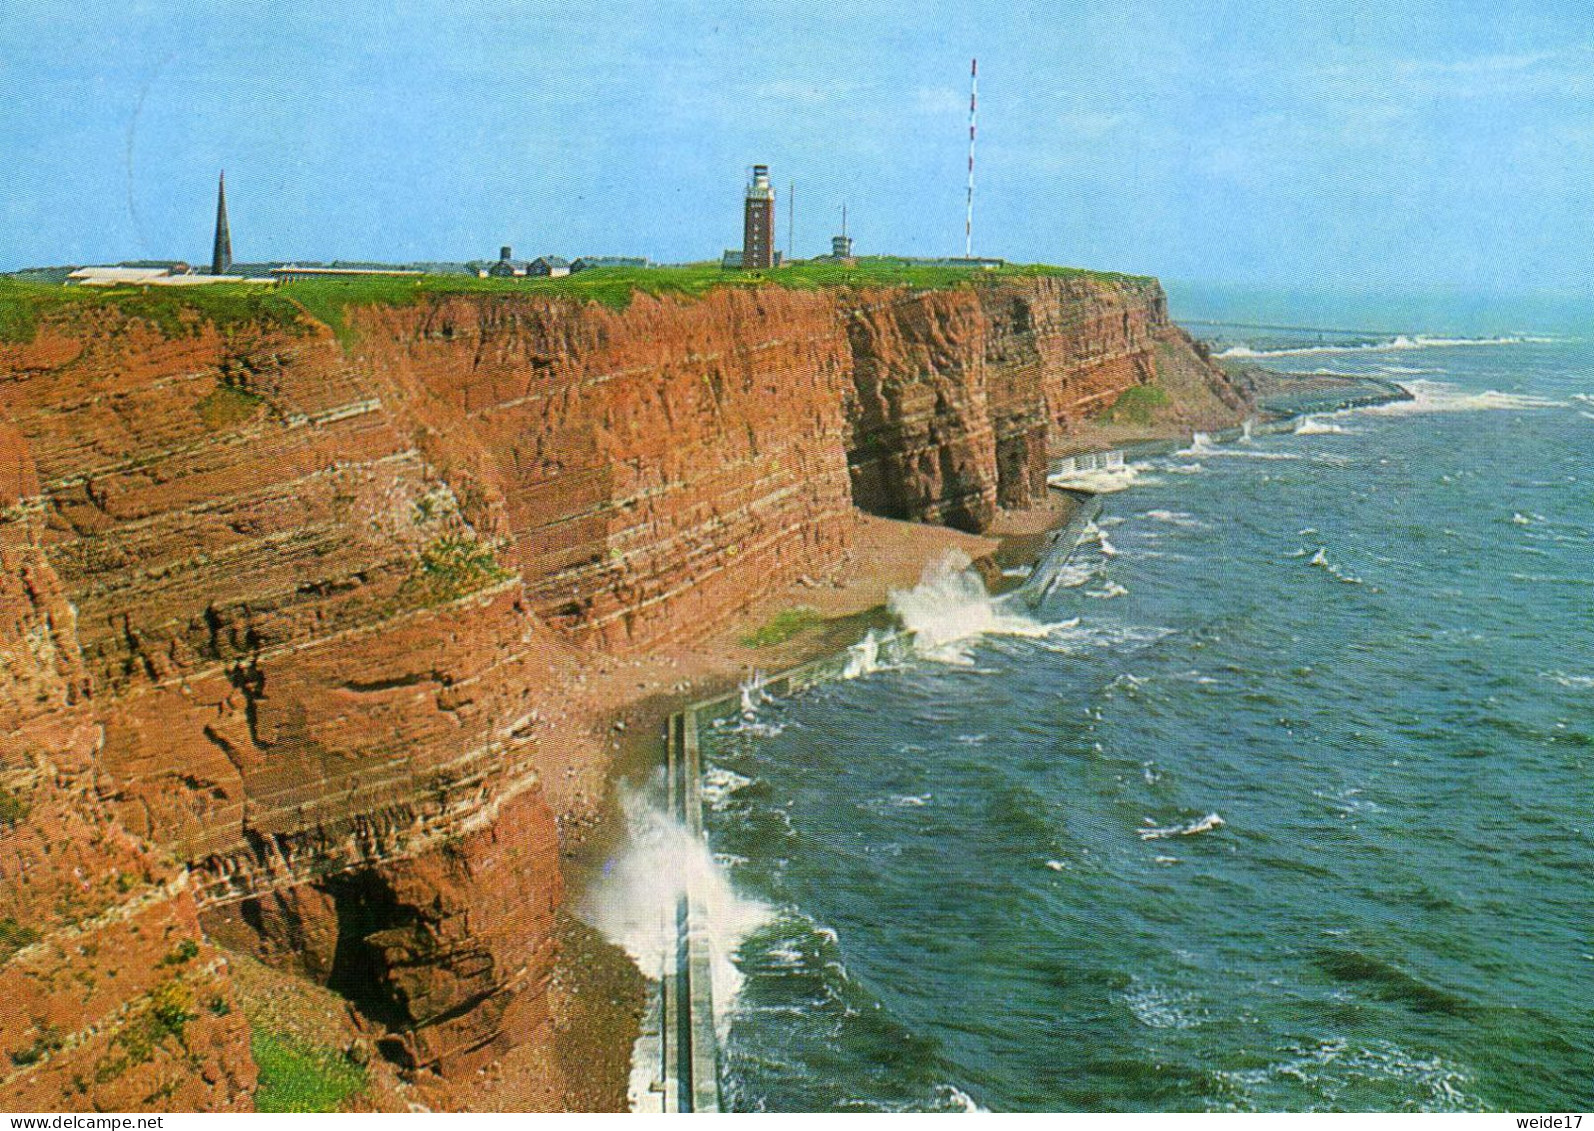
{"x":1283,"y":802}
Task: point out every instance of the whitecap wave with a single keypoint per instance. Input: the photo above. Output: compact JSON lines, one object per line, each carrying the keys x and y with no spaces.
{"x":1320,"y":561}
{"x":1441,"y":396}
{"x":951,"y":1096}
{"x":1400,"y":342}
{"x":719,"y":784}
{"x":1072,"y":637}
{"x":1161,"y":832}
{"x":1102,"y":480}
{"x":1318,"y":426}
{"x":753,"y":694}
{"x":1157,"y":1008}
{"x":1107,"y":592}
{"x":1201,"y":445}
{"x":1574,"y":682}
{"x":1175,"y":518}
{"x":1328,"y":1068}
{"x":864,"y":657}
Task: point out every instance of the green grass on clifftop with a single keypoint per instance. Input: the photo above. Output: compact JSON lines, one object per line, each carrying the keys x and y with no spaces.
{"x":183,"y":311}
{"x":175,"y":312}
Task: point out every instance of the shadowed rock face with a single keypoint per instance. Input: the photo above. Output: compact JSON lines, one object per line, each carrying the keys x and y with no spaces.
{"x":280,"y":624}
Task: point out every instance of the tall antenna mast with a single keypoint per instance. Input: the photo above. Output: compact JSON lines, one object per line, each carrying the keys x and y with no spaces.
{"x":968,"y":219}
{"x":791,"y":214}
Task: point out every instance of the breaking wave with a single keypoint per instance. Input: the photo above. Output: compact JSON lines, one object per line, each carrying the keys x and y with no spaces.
{"x":1574,"y":682}
{"x":1318,"y":426}
{"x":1441,"y":396}
{"x":949,"y":609}
{"x":1201,"y":445}
{"x":1161,"y":832}
{"x":635,"y":902}
{"x":1176,"y":518}
{"x":1399,"y":342}
{"x":1102,"y":480}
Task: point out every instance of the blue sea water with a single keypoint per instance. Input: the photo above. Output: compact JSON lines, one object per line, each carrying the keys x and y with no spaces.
{"x":1354,"y":663}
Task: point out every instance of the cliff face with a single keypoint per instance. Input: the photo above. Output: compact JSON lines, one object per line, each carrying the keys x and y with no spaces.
{"x":281,"y":625}
{"x":111,"y":998}
{"x":957,"y":393}
{"x":652,"y":470}
{"x":306,"y":680}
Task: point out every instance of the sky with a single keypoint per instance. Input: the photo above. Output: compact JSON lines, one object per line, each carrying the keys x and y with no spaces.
{"x":1268,"y":143}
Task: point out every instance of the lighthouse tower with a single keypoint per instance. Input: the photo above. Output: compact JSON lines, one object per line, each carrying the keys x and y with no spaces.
{"x":758,"y":222}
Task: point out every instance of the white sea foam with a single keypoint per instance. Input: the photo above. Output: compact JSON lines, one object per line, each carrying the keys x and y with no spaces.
{"x":1399,"y":343}
{"x":1327,"y":1068}
{"x":1102,"y":480}
{"x":720,"y":783}
{"x":1176,"y":518}
{"x":949,"y":609}
{"x":952,"y":1096}
{"x":1575,"y":682}
{"x":1318,"y":426}
{"x":1441,"y":396}
{"x":863,"y":657}
{"x":753,"y":694}
{"x":1107,"y":592}
{"x":1320,"y":561}
{"x":1157,"y":1008}
{"x":635,"y":902}
{"x":1073,"y":637}
{"x":1201,"y":445}
{"x":1159,"y":832}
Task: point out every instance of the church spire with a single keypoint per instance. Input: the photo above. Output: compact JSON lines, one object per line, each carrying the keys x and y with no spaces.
{"x":221,"y":255}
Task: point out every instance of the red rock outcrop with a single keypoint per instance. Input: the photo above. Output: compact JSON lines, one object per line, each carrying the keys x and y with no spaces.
{"x":958,"y":393}
{"x":109,"y":997}
{"x":653,"y":470}
{"x":280,"y":622}
{"x":306,"y":679}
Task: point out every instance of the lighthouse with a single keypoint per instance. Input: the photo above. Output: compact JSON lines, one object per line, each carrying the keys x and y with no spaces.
{"x":758,"y":222}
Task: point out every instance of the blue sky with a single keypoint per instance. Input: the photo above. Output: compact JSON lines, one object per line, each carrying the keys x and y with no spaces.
{"x":1337,"y":145}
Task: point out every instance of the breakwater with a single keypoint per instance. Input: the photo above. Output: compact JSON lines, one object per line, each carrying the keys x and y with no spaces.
{"x":676,"y":1059}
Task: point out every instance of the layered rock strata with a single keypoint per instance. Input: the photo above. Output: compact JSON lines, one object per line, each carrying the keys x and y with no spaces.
{"x":282,"y":620}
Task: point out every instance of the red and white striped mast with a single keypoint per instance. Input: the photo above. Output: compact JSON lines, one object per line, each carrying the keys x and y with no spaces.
{"x":968,"y":219}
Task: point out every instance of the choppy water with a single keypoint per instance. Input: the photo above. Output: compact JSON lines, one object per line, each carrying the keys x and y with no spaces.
{"x":1364,"y":649}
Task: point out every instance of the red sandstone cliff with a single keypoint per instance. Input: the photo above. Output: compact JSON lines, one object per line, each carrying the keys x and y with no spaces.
{"x":278,"y":622}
